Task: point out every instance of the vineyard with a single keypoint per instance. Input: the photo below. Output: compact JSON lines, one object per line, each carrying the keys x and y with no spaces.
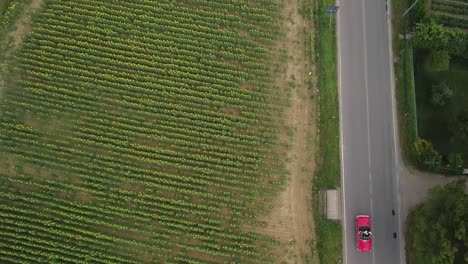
{"x":451,"y":13}
{"x":141,"y":132}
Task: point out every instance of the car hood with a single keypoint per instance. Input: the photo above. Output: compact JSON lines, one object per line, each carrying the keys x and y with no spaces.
{"x":363,"y":221}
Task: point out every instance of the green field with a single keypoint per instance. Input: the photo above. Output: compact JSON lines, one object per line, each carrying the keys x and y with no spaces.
{"x":436,"y":123}
{"x":141,"y":132}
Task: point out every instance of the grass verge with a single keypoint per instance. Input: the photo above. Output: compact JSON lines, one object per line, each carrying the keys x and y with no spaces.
{"x":329,"y":233}
{"x":405,"y":93}
{"x":404,"y":83}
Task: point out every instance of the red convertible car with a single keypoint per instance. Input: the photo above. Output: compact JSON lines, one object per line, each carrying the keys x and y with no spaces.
{"x":363,"y":233}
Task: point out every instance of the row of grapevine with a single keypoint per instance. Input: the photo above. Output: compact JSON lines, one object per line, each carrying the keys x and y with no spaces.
{"x":449,"y":7}
{"x":451,"y":21}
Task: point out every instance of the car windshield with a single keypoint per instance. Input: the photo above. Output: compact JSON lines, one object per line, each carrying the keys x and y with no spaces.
{"x":364,"y":232}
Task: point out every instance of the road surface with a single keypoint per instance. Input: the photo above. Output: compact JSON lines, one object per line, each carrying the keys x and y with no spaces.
{"x":369,"y":156}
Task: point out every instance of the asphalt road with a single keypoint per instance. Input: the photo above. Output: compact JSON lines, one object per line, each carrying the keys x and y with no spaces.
{"x":369,"y":156}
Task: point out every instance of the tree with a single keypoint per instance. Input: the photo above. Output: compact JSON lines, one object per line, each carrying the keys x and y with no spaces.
{"x":455,"y":160}
{"x":439,"y":231}
{"x":432,"y":35}
{"x":426,"y":156}
{"x":419,"y":11}
{"x":441,"y":94}
{"x":439,"y":60}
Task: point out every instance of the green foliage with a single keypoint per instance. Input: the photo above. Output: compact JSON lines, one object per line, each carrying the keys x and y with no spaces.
{"x":330,"y":243}
{"x":421,"y":146}
{"x":460,"y":128}
{"x":440,"y":229}
{"x":439,"y":60}
{"x":3,"y":6}
{"x":307,"y":10}
{"x":446,"y":127}
{"x":427,"y":157}
{"x":419,"y":11}
{"x":455,"y":160}
{"x":328,"y":90}
{"x":11,"y":12}
{"x":450,"y":13}
{"x":452,"y":21}
{"x":432,"y":35}
{"x":405,"y":92}
{"x":441,"y":94}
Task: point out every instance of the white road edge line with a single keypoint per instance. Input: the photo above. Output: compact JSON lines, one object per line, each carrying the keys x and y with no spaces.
{"x":396,"y":138}
{"x":340,"y":104}
{"x":367,"y":111}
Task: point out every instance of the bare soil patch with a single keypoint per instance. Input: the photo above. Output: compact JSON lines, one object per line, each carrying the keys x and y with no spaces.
{"x":83,"y":197}
{"x":291,"y":220}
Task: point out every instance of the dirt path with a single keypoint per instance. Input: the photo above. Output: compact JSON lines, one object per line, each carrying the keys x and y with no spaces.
{"x":291,"y":220}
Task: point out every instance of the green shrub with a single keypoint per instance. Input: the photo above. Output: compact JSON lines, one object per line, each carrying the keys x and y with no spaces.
{"x":426,"y":156}
{"x":439,"y":60}
{"x":441,"y":94}
{"x":455,"y":160}
{"x":419,"y":12}
{"x":459,"y":128}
